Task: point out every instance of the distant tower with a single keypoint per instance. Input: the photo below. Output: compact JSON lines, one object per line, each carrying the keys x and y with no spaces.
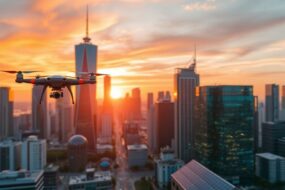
{"x":185,"y":82}
{"x":107,"y":91}
{"x":6,"y":112}
{"x":271,"y":102}
{"x":64,"y":117}
{"x":85,"y":108}
{"x":39,"y":112}
{"x":136,"y":103}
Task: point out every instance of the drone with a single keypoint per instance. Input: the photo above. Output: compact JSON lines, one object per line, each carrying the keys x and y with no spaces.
{"x":56,"y":82}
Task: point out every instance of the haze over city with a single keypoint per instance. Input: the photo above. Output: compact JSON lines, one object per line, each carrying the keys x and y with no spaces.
{"x":142,"y":42}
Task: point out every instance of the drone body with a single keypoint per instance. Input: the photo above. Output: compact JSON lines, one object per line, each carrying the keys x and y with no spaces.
{"x":56,"y":82}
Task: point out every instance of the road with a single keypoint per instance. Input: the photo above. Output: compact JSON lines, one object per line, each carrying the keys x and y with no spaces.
{"x":124,"y":177}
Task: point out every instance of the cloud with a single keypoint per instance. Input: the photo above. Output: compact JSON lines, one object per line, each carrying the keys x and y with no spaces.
{"x":197,"y":6}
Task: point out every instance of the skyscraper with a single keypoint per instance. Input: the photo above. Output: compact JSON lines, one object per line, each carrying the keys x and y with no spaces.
{"x":64,"y":117}
{"x":39,"y":112}
{"x":149,"y":100}
{"x":271,"y":102}
{"x":224,"y":138}
{"x":136,"y":103}
{"x":271,"y":132}
{"x":85,"y":107}
{"x":282,"y":111}
{"x":106,"y":116}
{"x":6,"y":112}
{"x":151,"y":133}
{"x":107,"y":94}
{"x":164,"y":123}
{"x":185,"y":82}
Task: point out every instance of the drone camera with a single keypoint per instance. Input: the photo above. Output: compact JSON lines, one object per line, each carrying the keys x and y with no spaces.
{"x":56,"y":95}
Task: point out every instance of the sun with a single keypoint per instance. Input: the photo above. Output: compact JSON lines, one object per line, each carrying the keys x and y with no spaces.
{"x":116,"y":93}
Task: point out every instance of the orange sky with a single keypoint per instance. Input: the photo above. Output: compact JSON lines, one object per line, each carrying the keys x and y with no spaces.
{"x":141,"y":42}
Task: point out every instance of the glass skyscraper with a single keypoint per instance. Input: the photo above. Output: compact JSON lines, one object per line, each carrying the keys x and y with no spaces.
{"x":272,"y":102}
{"x":223,"y":131}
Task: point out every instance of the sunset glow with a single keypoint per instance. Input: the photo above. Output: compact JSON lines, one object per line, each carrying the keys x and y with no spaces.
{"x":116,"y":93}
{"x":142,"y":42}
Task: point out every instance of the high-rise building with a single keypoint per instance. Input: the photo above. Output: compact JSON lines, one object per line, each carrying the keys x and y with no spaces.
{"x":224,"y":138}
{"x":64,"y":117}
{"x":271,"y":102}
{"x":85,"y":105}
{"x":185,"y":82}
{"x":106,"y":117}
{"x":151,"y":133}
{"x":164,"y":123}
{"x":10,"y":155}
{"x":261,"y":119}
{"x":282,"y":111}
{"x":283,"y":98}
{"x":107,"y":104}
{"x":6,"y":113}
{"x":149,"y":100}
{"x":34,"y":153}
{"x":271,"y":132}
{"x":136,"y":103}
{"x":39,"y":112}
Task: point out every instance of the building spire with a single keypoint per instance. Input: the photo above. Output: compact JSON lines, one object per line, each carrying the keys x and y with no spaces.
{"x":194,"y":57}
{"x":86,"y":39}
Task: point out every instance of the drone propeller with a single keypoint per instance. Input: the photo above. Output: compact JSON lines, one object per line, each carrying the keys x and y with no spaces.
{"x":14,"y":72}
{"x":91,"y":73}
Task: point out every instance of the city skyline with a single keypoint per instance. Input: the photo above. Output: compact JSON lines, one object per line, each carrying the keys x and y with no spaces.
{"x":143,"y":46}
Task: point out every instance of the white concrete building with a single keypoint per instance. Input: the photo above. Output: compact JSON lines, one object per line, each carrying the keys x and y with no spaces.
{"x":165,"y":166}
{"x":91,"y":180}
{"x":34,"y":152}
{"x":137,"y":155}
{"x":10,"y":155}
{"x":270,"y":167}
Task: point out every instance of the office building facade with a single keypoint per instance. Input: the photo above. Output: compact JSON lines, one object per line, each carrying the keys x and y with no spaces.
{"x":34,"y":153}
{"x":271,"y":132}
{"x":6,"y":112}
{"x":224,"y":137}
{"x":10,"y":155}
{"x":185,"y":82}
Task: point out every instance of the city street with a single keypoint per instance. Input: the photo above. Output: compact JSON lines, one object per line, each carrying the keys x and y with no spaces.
{"x":124,"y":177}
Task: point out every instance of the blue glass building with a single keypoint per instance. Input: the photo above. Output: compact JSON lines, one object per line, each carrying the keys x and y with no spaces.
{"x":224,"y":137}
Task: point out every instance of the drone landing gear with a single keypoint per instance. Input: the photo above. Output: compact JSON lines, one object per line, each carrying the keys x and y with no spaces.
{"x":69,"y":89}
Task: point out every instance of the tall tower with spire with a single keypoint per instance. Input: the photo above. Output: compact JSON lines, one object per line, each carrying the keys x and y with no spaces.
{"x":85,"y":105}
{"x":185,"y":82}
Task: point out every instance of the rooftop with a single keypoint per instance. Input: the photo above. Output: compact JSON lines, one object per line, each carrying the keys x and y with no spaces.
{"x":19,"y":177}
{"x":137,"y":147}
{"x":269,"y":156}
{"x":195,"y":176}
{"x":98,"y":177}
